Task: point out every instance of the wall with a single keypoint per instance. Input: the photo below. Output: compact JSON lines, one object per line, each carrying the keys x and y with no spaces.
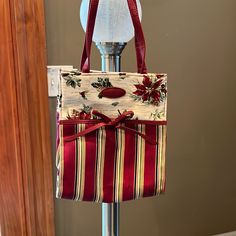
{"x":194,"y":42}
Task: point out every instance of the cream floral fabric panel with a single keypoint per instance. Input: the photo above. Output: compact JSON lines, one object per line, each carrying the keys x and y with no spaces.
{"x":112,"y":94}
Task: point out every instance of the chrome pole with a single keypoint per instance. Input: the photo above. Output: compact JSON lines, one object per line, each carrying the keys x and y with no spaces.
{"x":111,"y":57}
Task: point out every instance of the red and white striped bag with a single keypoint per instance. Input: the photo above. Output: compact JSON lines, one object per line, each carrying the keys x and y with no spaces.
{"x":111,"y":138}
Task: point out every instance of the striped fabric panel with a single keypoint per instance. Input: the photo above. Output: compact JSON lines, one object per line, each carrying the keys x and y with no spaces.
{"x":114,"y":166}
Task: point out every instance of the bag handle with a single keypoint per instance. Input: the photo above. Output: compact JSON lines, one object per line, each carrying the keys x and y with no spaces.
{"x":139,"y":37}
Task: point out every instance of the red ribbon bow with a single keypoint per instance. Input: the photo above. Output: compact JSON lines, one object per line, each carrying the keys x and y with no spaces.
{"x":108,"y":122}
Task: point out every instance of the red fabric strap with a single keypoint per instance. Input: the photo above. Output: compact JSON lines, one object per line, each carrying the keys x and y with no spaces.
{"x":140,"y":44}
{"x":92,"y":13}
{"x":106,"y":121}
{"x":139,"y":37}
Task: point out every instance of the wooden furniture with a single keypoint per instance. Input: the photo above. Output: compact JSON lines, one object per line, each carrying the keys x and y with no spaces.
{"x":26,"y":196}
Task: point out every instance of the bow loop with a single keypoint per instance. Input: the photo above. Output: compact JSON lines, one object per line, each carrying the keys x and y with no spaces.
{"x":124,"y":116}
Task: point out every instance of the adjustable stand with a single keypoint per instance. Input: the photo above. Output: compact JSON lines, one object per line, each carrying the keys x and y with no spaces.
{"x":111,"y":56}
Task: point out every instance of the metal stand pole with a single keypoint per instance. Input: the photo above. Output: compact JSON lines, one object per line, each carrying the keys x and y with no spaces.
{"x":111,"y":56}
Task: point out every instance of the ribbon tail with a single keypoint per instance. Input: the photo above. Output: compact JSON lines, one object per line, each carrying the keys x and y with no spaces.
{"x":86,"y":131}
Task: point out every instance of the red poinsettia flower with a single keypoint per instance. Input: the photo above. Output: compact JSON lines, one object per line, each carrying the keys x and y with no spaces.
{"x":147,"y":82}
{"x":79,"y":115}
{"x":148,"y":90}
{"x":85,"y":116}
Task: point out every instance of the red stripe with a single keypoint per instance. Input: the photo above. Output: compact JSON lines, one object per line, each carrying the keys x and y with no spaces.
{"x":108,"y":175}
{"x":164,"y":176}
{"x":150,"y":160}
{"x":129,"y":163}
{"x":69,"y":163}
{"x":90,"y":166}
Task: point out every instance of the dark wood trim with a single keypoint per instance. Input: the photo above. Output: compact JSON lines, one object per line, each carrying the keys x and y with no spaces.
{"x":26,"y":195}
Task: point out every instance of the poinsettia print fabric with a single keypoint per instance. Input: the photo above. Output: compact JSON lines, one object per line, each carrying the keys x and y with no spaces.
{"x":112,"y":94}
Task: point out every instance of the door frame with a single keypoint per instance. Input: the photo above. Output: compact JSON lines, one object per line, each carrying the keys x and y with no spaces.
{"x":26,"y":192}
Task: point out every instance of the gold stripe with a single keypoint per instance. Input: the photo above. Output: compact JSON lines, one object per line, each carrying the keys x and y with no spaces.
{"x":100,"y":164}
{"x":119,"y":165}
{"x":140,"y":164}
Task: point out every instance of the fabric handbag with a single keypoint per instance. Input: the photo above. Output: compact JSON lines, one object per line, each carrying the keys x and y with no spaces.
{"x":111,"y":128}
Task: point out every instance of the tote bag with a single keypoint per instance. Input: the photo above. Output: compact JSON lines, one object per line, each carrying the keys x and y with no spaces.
{"x":111,"y":128}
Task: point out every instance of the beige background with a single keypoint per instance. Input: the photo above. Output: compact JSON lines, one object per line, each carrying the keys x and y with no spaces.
{"x":194,"y":41}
